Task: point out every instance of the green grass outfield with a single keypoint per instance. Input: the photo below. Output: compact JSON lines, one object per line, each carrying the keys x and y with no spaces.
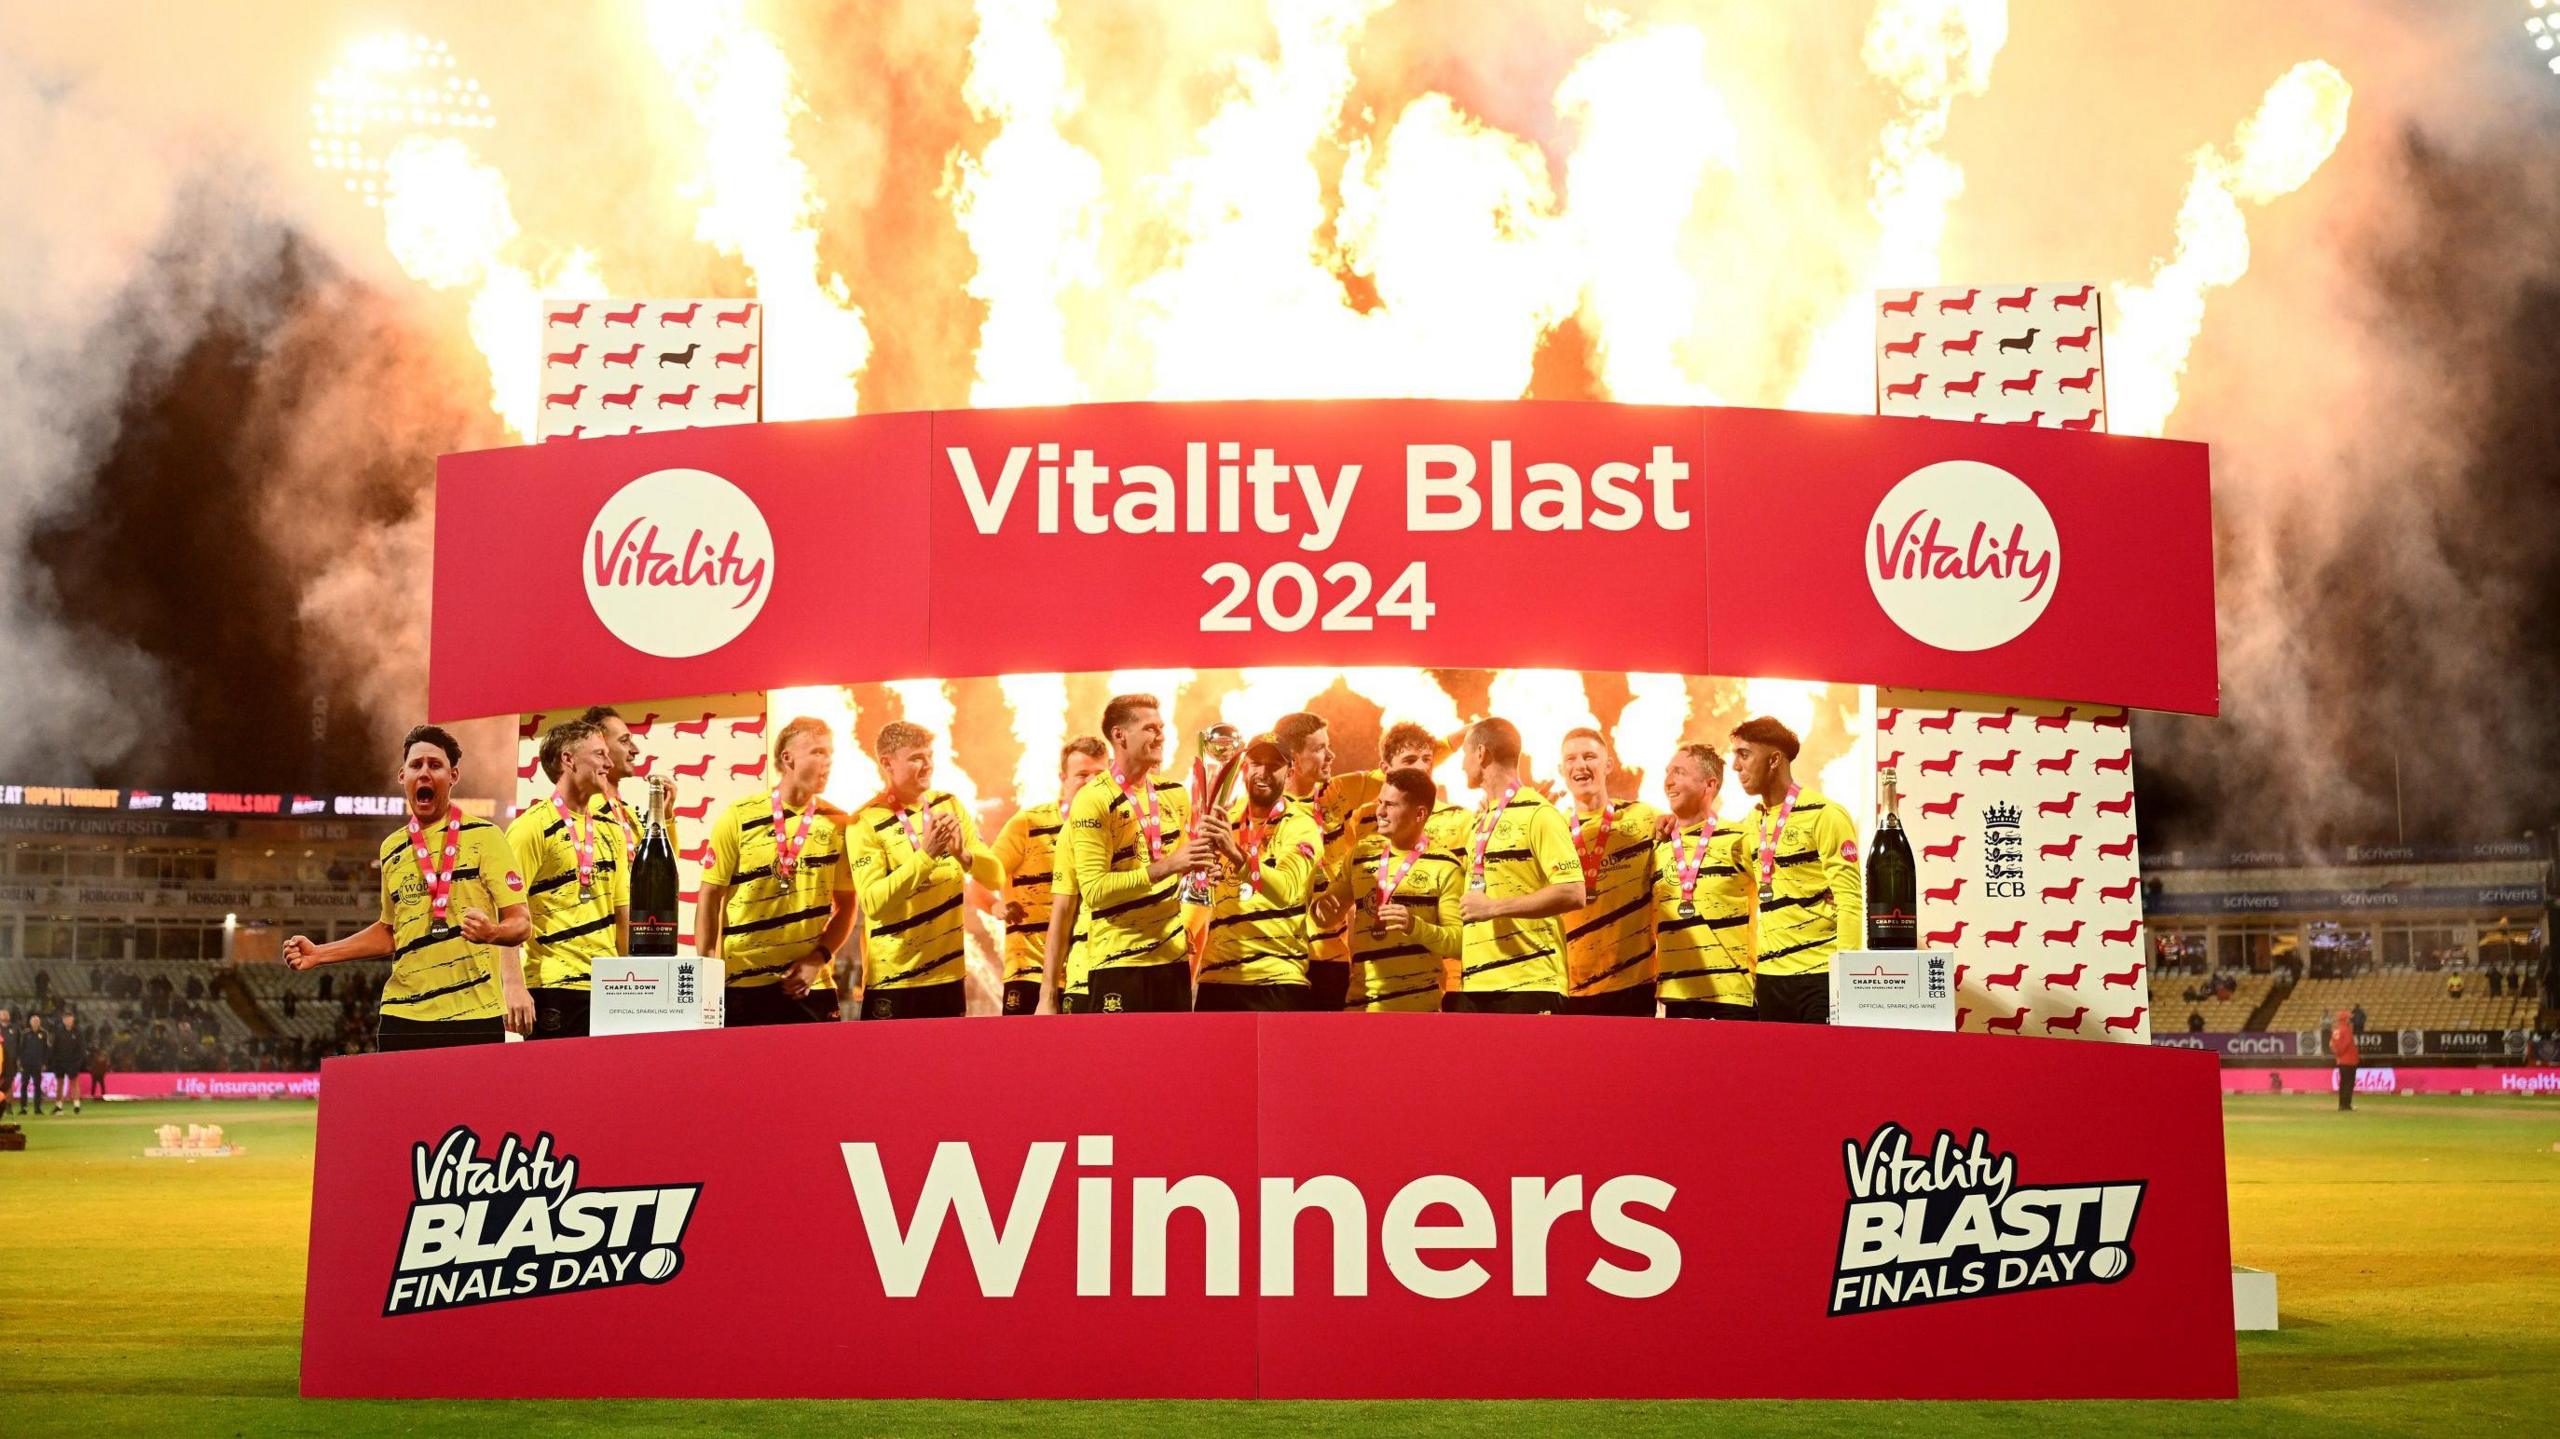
{"x":2417,"y":1242}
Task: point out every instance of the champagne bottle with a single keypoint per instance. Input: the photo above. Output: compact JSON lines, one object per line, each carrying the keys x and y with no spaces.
{"x":1893,"y":882}
{"x":653,"y":878}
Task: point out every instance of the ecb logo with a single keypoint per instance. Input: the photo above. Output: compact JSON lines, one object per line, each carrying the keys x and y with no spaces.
{"x":678,"y":563}
{"x":1963,"y":556}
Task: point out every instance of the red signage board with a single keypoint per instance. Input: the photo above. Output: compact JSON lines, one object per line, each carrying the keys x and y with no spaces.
{"x":2002,"y":559}
{"x":1274,"y":1206}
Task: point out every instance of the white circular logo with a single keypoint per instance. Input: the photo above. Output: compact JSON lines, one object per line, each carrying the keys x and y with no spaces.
{"x":678,"y":563}
{"x":1963,"y":555}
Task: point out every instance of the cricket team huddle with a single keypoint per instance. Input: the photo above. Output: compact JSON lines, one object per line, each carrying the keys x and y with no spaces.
{"x":1308,"y":891}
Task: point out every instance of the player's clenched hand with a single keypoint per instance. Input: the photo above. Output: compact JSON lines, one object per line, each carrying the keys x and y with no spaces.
{"x":477,"y":928}
{"x":1477,"y":906}
{"x":1395,"y":918}
{"x":1665,"y":826}
{"x":519,"y":1008}
{"x":300,"y":953}
{"x":1328,"y":909}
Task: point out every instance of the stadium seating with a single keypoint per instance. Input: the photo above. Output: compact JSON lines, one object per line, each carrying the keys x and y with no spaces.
{"x":2404,"y":999}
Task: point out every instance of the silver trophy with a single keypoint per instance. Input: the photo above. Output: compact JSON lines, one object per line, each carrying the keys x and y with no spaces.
{"x":1221,"y":762}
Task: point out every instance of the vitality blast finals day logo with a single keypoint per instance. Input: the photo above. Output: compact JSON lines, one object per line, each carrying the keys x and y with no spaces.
{"x":678,"y":563}
{"x":1953,"y":1224}
{"x":1963,"y":556}
{"x":514,"y":1224}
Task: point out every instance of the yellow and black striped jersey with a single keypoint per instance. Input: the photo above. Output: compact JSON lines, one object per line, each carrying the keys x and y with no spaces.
{"x":1336,"y":808}
{"x":767,"y":926}
{"x":1706,"y":955}
{"x":1398,"y":972}
{"x":1129,"y":919}
{"x":609,"y":806}
{"x":1027,"y":848}
{"x":1820,"y":893}
{"x":1528,"y":849}
{"x":1259,"y":935}
{"x":436,"y":974}
{"x":1079,"y":953}
{"x":569,"y":933}
{"x":915,"y":905}
{"x":1608,"y":943}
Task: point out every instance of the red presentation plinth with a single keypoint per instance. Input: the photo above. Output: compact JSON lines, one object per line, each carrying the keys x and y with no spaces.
{"x":1274,"y":1206}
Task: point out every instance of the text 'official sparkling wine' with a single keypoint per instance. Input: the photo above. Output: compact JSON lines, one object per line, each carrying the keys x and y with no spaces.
{"x":653,"y":878}
{"x":1893,"y":881}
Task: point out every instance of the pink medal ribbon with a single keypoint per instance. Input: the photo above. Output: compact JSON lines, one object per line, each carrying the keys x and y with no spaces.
{"x":1769,"y":847}
{"x":787,"y":847}
{"x":582,"y":835}
{"x":1687,"y":865}
{"x":1485,"y":827}
{"x":1595,"y":857}
{"x":439,"y":886}
{"x":1387,"y":882}
{"x":1150,"y":819}
{"x":1256,"y":834}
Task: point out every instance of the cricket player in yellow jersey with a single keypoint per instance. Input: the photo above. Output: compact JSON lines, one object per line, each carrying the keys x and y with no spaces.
{"x":1402,"y":888}
{"x":776,"y":899}
{"x":577,"y":875}
{"x":1407,"y":745}
{"x":1804,"y":870}
{"x":1130,"y":840}
{"x":622,"y":762}
{"x":914,"y":850}
{"x":1701,"y":897}
{"x":1027,"y":848}
{"x":1253,"y":951}
{"x":1523,"y":877}
{"x":453,"y":910}
{"x":1332,"y":801}
{"x":1608,"y":941}
{"x":1068,"y":995}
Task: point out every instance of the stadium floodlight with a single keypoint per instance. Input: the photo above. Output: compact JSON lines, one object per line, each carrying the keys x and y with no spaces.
{"x":2543,"y":28}
{"x":386,"y":89}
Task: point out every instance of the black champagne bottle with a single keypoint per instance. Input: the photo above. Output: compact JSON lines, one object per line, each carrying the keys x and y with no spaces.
{"x":653,"y":878}
{"x":1893,"y":882}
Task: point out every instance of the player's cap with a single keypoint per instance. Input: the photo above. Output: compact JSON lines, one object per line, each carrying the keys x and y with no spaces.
{"x":1269,"y":748}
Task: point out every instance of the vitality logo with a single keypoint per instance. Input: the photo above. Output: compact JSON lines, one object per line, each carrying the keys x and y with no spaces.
{"x":514,"y":1224}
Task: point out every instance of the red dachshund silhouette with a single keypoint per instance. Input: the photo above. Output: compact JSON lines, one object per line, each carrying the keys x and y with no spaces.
{"x":679,"y":317}
{"x":565,"y":400}
{"x":677,"y":398}
{"x":566,"y":357}
{"x":2017,"y":301}
{"x":2129,"y":1022}
{"x":2121,"y":849}
{"x":2064,"y":892}
{"x":1943,"y":724}
{"x":2022,"y":386}
{"x":2067,"y":978}
{"x":2117,"y":806}
{"x":2088,"y":421}
{"x":1960,"y":347}
{"x":1890,"y":761}
{"x":529,"y":728}
{"x":2113,"y":721}
{"x":2076,"y":342}
{"x":2121,"y":764}
{"x":1962,"y":306}
{"x":2076,"y":300}
{"x":2059,"y":765}
{"x":1944,"y":851}
{"x":736,"y":399}
{"x":699,"y":769}
{"x":2013,"y":978}
{"x":747,"y":727}
{"x":624,"y":317}
{"x":2120,"y":936}
{"x":2081,"y":381}
{"x":1944,"y":764}
{"x":2012,"y":1023}
{"x":748,"y":771}
{"x":695,"y":810}
{"x":1950,"y":894}
{"x":1961,"y":1012}
{"x":696,"y":728}
{"x":2003,"y":765}
{"x":1960,"y":969}
{"x":573,"y":432}
{"x":2033,"y":417}
{"x":642,"y":765}
{"x":623,"y":357}
{"x":569,"y":316}
{"x":2069,"y":1021}
{"x":621,"y":399}
{"x":1949,"y":939}
{"x":1943,"y":808}
{"x":2128,"y":978}
{"x":2061,"y":808}
{"x":641,"y":730}
{"x":2068,"y":849}
{"x":2008,"y":937}
{"x":2060,"y":721}
{"x":1962,"y":387}
{"x":1884,"y":722}
{"x":1908,"y":304}
{"x":526,"y":769}
{"x":738,"y":316}
{"x":2001,"y":723}
{"x":1908,"y":389}
{"x":2068,"y":934}
{"x":2123,"y":892}
{"x":732,"y":357}
{"x":700,"y":854}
